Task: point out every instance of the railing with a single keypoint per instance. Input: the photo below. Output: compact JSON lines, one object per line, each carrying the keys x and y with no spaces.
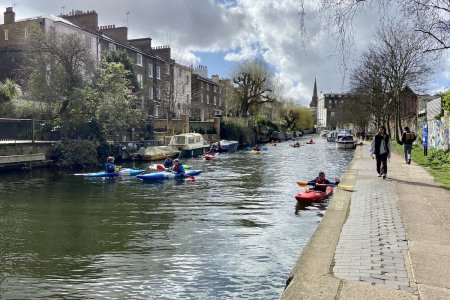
{"x":26,"y":130}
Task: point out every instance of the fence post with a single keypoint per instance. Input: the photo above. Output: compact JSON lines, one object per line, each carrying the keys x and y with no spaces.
{"x":33,"y":132}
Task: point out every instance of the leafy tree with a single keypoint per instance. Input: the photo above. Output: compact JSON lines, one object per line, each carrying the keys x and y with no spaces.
{"x":122,"y":57}
{"x":447,"y":102}
{"x":9,"y":92}
{"x":111,"y":102}
{"x":296,"y":117}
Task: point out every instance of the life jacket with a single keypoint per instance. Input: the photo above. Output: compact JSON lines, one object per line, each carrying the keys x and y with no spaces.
{"x":110,"y":168}
{"x":321,"y":181}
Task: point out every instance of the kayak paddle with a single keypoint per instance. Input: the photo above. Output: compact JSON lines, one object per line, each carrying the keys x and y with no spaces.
{"x":303,"y":184}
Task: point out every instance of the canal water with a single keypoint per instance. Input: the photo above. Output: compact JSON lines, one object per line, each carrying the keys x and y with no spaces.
{"x":230,"y":234}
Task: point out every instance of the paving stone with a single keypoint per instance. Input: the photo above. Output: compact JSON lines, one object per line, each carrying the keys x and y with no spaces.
{"x":373,"y":237}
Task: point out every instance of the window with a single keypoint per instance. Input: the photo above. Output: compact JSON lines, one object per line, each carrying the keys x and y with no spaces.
{"x":330,"y":102}
{"x":139,"y":59}
{"x":183,"y":89}
{"x":156,"y":110}
{"x":150,"y":93}
{"x":180,"y":72}
{"x":88,"y":42}
{"x":207,"y":87}
{"x":150,"y":70}
{"x":201,"y":98}
{"x":158,"y":94}
{"x":215,"y":100}
{"x":167,"y":69}
{"x":6,"y":34}
{"x":207,"y":99}
{"x":332,"y":113}
{"x":26,"y":33}
{"x":215,"y":89}
{"x":112,"y":47}
{"x":158,"y":72}
{"x":187,"y":78}
{"x":139,"y":79}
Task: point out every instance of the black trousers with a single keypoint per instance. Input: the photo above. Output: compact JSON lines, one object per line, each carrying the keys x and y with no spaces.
{"x":382,"y":163}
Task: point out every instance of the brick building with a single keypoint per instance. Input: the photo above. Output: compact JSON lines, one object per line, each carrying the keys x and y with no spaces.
{"x":153,"y":65}
{"x":206,"y":100}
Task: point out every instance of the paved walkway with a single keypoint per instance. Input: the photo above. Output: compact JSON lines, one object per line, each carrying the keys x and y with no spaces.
{"x":384,"y":239}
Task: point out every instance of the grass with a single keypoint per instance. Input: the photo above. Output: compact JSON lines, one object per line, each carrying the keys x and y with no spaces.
{"x":439,"y":171}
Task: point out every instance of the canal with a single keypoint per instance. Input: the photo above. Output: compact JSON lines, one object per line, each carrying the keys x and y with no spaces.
{"x":230,"y":234}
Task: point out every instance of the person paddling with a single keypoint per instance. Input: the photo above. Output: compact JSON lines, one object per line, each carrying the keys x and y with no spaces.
{"x":168,"y":162}
{"x":178,"y":168}
{"x":321,"y":182}
{"x":110,"y":167}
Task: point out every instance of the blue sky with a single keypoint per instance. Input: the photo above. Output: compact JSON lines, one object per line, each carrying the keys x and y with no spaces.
{"x":222,"y":33}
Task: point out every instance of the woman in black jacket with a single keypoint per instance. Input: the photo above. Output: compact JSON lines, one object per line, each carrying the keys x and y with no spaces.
{"x":381,"y":147}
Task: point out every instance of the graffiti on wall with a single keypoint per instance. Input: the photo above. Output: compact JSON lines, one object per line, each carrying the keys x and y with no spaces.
{"x":438,"y":135}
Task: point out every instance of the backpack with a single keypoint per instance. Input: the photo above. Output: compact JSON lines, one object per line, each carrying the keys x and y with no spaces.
{"x":409,"y":137}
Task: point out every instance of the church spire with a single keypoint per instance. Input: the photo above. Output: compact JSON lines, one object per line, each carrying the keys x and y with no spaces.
{"x":314,"y":99}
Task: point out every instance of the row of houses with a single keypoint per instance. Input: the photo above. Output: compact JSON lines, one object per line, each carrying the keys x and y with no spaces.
{"x":167,"y":87}
{"x":417,"y":111}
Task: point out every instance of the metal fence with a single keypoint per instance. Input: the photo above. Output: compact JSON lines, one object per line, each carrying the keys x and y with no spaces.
{"x":29,"y":130}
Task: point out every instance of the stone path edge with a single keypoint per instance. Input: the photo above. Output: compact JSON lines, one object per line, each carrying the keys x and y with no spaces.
{"x":311,"y":276}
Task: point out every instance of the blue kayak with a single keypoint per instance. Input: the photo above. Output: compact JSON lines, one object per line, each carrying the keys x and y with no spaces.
{"x":167,"y":175}
{"x":122,"y":172}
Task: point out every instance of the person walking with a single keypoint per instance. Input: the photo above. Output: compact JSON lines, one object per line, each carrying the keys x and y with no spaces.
{"x":381,"y":148}
{"x":408,"y":138}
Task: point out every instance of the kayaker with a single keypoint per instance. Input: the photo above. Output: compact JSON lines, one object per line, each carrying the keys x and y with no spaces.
{"x":168,"y":162}
{"x":178,"y":167}
{"x":110,"y":167}
{"x":381,"y":147}
{"x":321,"y":182}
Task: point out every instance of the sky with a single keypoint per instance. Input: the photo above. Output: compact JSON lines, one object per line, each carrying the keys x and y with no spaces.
{"x":220,"y":34}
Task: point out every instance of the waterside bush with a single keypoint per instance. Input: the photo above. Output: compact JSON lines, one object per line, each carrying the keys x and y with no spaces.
{"x":238,"y":130}
{"x":75,"y":154}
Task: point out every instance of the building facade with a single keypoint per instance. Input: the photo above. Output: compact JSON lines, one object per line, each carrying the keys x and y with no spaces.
{"x":206,"y":100}
{"x":153,"y":66}
{"x":182,"y":82}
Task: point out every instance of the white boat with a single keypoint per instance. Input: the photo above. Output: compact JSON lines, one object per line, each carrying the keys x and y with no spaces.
{"x":332,"y":136}
{"x":189,"y":144}
{"x":224,"y":146}
{"x":345,"y":140}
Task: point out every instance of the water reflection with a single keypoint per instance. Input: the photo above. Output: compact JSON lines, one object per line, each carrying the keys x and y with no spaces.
{"x":232,"y":233}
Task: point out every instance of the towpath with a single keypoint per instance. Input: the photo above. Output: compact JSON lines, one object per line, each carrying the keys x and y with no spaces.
{"x":382,"y":239}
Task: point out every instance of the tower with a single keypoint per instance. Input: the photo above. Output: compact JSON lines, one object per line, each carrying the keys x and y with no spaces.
{"x":314,"y":99}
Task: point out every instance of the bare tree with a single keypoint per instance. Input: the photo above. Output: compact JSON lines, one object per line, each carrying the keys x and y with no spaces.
{"x":56,"y":69}
{"x":395,"y":60}
{"x":254,"y":86}
{"x":430,"y":18}
{"x":368,"y":82}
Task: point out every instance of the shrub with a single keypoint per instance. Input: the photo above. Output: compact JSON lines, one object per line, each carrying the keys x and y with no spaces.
{"x":74,"y":153}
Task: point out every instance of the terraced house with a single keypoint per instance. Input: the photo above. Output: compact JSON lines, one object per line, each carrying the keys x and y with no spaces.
{"x":153,"y":65}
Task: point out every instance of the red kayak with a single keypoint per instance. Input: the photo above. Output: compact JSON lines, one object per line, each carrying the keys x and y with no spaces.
{"x":310,"y":196}
{"x":208,"y":156}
